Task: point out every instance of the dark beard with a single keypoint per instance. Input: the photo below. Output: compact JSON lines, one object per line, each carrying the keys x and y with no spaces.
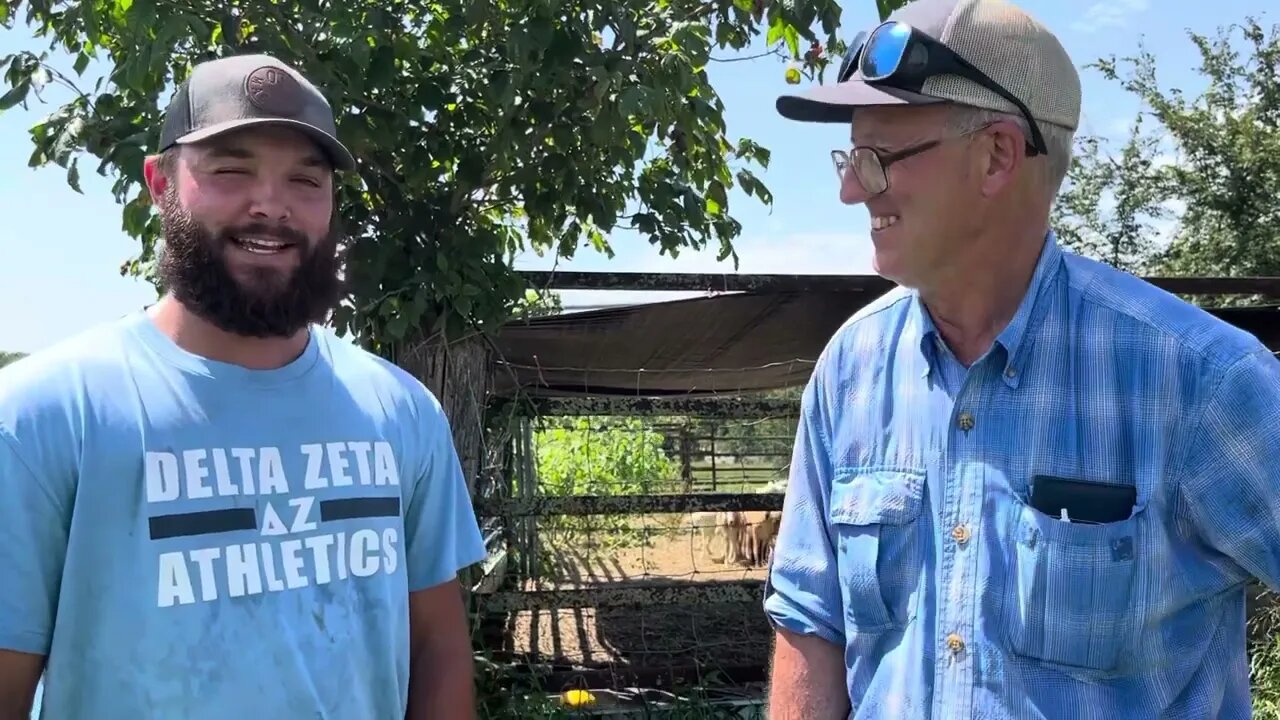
{"x":193,"y":268}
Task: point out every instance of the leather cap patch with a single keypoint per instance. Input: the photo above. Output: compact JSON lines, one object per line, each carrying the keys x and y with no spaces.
{"x":274,"y":91}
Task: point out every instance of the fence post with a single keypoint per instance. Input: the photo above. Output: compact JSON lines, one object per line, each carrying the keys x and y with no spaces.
{"x":714,"y":474}
{"x":686,"y":457}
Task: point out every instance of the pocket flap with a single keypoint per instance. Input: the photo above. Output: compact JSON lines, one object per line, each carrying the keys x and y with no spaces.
{"x":876,"y":496}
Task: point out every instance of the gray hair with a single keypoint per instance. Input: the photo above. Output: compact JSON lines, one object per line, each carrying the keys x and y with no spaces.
{"x":1058,"y":140}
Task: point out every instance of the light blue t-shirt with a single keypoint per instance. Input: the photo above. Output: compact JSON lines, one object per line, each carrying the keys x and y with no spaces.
{"x":191,"y":539}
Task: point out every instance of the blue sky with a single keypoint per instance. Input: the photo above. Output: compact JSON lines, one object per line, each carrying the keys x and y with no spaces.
{"x":60,"y":251}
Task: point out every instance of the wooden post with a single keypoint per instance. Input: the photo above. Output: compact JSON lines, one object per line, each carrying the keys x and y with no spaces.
{"x":459,"y":374}
{"x":686,"y":457}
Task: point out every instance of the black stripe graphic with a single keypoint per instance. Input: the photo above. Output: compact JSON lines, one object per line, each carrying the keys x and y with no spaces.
{"x":359,"y":508}
{"x":202,"y":523}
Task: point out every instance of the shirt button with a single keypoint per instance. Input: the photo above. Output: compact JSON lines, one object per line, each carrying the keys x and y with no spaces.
{"x":955,"y":644}
{"x":965,"y":421}
{"x":1010,"y":373}
{"x":960,"y":534}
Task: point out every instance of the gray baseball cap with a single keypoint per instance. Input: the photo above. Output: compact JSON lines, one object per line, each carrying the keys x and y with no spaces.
{"x":1000,"y":39}
{"x":246,"y":90}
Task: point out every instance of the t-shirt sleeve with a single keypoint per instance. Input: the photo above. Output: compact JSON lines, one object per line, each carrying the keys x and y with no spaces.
{"x":33,"y":546}
{"x":442,"y":535}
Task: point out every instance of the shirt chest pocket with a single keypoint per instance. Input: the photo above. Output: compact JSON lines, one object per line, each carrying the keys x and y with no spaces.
{"x":1070,"y":598}
{"x":878,"y":532}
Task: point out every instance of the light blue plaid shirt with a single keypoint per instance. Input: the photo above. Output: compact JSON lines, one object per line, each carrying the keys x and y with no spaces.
{"x":907,"y":539}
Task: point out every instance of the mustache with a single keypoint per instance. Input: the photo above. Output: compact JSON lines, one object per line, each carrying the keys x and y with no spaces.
{"x":271,"y":232}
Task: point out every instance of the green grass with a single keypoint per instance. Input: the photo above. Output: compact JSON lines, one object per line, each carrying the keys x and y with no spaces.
{"x":1266,"y":681}
{"x":1265,"y":661}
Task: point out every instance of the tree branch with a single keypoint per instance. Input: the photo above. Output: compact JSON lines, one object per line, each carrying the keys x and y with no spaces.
{"x":774,"y":51}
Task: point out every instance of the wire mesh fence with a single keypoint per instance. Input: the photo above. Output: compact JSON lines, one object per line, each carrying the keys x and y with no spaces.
{"x":637,"y":535}
{"x":638,"y":542}
{"x":615,"y":563}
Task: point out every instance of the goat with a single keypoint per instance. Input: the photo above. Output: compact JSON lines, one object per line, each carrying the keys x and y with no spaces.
{"x":759,"y":531}
{"x":760,"y":528}
{"x":748,"y":536}
{"x":723,"y":526}
{"x":705,"y":526}
{"x":732,"y":524}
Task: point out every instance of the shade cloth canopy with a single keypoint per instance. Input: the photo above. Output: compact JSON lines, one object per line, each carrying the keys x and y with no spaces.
{"x":724,"y":344}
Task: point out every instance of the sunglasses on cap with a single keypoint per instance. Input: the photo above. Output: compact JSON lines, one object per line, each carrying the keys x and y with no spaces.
{"x":902,"y":57}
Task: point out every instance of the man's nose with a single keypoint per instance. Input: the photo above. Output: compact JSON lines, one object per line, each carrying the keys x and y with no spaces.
{"x":269,"y":204}
{"x":852,"y":191}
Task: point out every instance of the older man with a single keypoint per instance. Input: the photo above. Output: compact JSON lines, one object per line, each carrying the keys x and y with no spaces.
{"x":213,"y":508}
{"x":1025,"y":484}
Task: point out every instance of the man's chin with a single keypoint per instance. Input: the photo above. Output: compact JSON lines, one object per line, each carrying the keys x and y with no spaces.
{"x":262,"y":283}
{"x":884,"y":264}
{"x":252,"y":324}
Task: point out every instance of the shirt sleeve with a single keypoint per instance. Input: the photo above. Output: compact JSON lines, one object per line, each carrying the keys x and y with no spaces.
{"x":801,"y":591}
{"x":441,"y":532}
{"x":1231,"y":479}
{"x":33,"y":546}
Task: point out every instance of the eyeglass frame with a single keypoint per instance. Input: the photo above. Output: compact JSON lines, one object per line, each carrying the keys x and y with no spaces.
{"x":945,"y":62}
{"x":886,"y":159}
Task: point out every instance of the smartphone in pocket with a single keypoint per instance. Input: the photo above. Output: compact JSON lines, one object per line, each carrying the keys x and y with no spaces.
{"x":1085,"y":501}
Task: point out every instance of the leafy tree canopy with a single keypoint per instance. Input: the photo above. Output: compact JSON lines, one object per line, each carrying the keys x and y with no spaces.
{"x":481,"y":128}
{"x":1215,"y":157}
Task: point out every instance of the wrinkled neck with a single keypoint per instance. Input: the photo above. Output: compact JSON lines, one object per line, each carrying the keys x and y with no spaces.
{"x":973,"y":303}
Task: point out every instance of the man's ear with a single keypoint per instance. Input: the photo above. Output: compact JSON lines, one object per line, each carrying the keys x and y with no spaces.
{"x":155,"y":177}
{"x":1005,"y":156}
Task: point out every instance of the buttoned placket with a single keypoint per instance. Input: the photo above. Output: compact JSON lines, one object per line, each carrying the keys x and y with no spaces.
{"x":958,"y":519}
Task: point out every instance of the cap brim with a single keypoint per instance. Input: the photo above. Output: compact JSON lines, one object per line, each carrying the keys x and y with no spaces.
{"x":835,"y":103}
{"x":338,"y":153}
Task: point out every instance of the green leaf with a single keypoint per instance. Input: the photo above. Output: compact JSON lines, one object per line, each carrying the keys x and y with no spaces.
{"x":175,"y":26}
{"x":135,"y":217}
{"x":40,"y":78}
{"x":15,"y":95}
{"x":887,"y":7}
{"x":397,"y":326}
{"x":73,"y":176}
{"x":632,"y":101}
{"x":777,"y":29}
{"x":382,"y":70}
{"x":716,"y":198}
{"x":792,"y":37}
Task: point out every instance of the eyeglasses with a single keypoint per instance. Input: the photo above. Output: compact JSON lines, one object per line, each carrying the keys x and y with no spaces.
{"x":898,"y":55}
{"x":871,"y":166}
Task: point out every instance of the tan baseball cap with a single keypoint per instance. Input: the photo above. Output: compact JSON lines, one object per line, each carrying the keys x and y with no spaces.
{"x":1003,"y":41}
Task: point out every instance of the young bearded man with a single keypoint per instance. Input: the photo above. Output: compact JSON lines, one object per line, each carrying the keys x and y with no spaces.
{"x":214,"y":508}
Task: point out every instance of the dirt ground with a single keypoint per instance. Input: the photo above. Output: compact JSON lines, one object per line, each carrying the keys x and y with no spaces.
{"x":668,"y":552}
{"x":718,"y":634}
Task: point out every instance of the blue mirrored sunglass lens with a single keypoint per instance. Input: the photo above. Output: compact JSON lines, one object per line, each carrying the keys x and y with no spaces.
{"x":885,"y":50}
